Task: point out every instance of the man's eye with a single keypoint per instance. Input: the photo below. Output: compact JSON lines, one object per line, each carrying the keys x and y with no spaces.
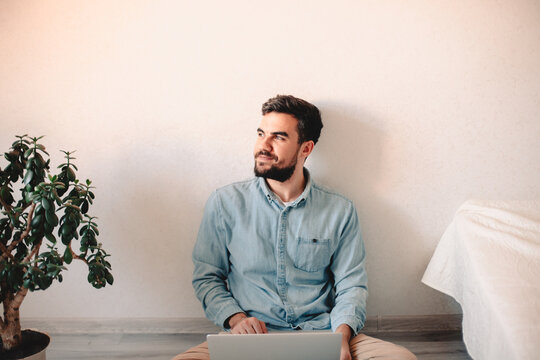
{"x":279,"y":138}
{"x":260,"y":134}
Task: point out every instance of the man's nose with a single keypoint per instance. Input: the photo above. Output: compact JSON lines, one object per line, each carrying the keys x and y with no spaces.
{"x":266,"y":144}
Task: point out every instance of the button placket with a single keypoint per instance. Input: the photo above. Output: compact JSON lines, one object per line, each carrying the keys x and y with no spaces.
{"x":282,"y":243}
{"x":282,"y":268}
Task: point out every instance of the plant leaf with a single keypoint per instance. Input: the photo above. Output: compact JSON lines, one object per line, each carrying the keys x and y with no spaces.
{"x":84,"y":207}
{"x":28,"y":177}
{"x":109,"y":278}
{"x":28,"y":152}
{"x":51,"y":218}
{"x":45,"y":203}
{"x":68,"y":256}
{"x":70,"y":174}
{"x":51,"y":238}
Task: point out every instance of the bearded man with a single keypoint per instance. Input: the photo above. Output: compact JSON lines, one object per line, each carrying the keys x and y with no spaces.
{"x":280,"y":252}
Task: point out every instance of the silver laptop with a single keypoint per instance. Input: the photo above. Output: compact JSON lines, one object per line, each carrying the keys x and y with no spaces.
{"x":279,"y":345}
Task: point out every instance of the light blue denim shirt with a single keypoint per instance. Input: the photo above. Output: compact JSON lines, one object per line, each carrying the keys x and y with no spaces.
{"x":296,"y":267}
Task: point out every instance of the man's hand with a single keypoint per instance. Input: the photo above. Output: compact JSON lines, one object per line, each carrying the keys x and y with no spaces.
{"x":240,"y":323}
{"x":346,"y":332}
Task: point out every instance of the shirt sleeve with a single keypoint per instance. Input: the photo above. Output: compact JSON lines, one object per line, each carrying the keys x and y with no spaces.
{"x":211,"y":265}
{"x":350,"y":277}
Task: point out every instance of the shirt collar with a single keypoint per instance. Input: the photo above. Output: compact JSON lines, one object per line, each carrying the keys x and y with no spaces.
{"x":271,"y":197}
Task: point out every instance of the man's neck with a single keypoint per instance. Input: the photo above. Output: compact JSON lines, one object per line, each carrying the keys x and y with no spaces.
{"x":291,"y":189}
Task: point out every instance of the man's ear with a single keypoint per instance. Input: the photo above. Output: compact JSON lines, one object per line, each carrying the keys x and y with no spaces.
{"x":307,"y":148}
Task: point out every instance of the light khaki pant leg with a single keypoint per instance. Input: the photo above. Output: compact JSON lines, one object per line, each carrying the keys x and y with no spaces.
{"x":199,"y":352}
{"x":363,"y":347}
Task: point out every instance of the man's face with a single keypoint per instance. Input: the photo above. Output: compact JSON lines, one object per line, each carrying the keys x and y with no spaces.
{"x":276,"y":149}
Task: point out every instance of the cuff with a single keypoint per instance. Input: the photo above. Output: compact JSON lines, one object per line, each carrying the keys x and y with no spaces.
{"x":352,"y":321}
{"x":226,"y":312}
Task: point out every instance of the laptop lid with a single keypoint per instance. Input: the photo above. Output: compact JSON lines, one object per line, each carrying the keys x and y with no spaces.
{"x":282,"y":345}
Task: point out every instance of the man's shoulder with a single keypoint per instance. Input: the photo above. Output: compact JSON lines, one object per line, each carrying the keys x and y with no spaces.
{"x":238,"y":188}
{"x":239,"y":185}
{"x":330,"y":203}
{"x":329,"y":194}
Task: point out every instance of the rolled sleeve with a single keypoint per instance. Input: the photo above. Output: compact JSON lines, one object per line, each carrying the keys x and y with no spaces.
{"x":211,"y":266}
{"x":350,"y":277}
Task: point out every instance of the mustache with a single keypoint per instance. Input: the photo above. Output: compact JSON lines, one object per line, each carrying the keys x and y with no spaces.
{"x":265,"y":153}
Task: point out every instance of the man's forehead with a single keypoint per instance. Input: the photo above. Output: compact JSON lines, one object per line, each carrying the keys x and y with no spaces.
{"x":279,"y":122}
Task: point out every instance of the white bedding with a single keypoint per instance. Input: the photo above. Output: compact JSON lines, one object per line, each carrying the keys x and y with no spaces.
{"x":489,"y":261}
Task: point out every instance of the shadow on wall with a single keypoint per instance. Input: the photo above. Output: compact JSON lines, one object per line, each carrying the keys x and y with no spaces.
{"x":348,"y":153}
{"x":349,"y":159}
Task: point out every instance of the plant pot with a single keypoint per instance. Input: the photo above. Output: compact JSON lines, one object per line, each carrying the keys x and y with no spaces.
{"x":34,"y":345}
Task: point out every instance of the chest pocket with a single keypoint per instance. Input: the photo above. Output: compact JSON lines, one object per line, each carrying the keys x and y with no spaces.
{"x":312,"y":254}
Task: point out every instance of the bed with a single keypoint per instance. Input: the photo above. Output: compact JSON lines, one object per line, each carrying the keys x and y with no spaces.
{"x":489,"y":261}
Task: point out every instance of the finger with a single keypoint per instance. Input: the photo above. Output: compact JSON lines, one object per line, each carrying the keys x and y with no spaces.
{"x":257,"y":326}
{"x":248,"y":326}
{"x":263,"y":326}
{"x":239,"y":328}
{"x":250,"y":329}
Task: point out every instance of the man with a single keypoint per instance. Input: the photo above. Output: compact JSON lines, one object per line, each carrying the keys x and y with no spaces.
{"x":281,"y":252}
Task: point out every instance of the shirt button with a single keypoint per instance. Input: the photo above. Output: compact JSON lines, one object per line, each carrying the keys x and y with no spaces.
{"x":314,"y":240}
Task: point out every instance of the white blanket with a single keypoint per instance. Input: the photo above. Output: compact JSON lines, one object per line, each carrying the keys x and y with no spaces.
{"x":489,"y":261}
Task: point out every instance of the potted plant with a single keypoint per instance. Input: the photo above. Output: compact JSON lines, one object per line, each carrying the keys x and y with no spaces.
{"x":32,"y":257}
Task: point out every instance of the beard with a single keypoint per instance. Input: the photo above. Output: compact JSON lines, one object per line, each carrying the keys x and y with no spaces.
{"x":275,"y":172}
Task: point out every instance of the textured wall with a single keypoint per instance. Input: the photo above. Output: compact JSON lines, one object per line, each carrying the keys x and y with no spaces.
{"x":425,"y":104}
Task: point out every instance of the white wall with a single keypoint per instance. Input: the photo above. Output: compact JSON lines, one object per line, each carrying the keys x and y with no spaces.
{"x":425,"y":104}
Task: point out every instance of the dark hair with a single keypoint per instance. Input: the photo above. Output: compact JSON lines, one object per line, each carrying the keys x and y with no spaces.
{"x":308,"y":116}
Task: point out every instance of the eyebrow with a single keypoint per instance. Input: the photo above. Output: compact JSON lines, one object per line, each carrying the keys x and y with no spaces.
{"x":281,"y":133}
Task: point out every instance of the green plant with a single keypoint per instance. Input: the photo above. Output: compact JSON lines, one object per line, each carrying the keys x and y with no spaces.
{"x":30,"y":258}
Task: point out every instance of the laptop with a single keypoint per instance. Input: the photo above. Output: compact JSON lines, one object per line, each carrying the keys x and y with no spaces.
{"x":279,"y":345}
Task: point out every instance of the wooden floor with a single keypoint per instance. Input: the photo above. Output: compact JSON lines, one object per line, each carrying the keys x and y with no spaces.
{"x":446,"y":345}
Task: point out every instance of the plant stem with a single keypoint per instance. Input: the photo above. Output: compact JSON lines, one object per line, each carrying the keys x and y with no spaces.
{"x":35,"y":251}
{"x":11,"y":324}
{"x":5,"y":206}
{"x":5,"y":252}
{"x":75,"y":256}
{"x":14,"y":244}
